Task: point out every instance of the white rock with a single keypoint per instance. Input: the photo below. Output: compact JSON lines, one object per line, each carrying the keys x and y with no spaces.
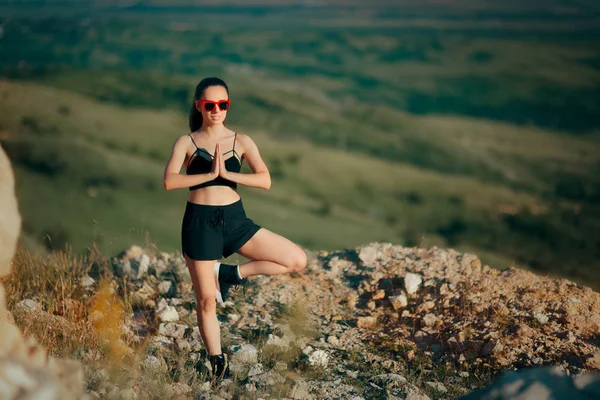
{"x":542,"y":319}
{"x":166,"y":287}
{"x":259,"y":301}
{"x":151,"y":363}
{"x":144,"y":263}
{"x":399,"y":301}
{"x":242,"y":356}
{"x":171,"y":329}
{"x":87,"y":281}
{"x":168,"y":314}
{"x":159,"y":342}
{"x":430,"y":319}
{"x":412,"y":282}
{"x":389,"y":380}
{"x":255,"y":369}
{"x":437,"y":386}
{"x":318,"y":358}
{"x":333,"y":340}
{"x":275,"y":340}
{"x":29,"y":305}
{"x":368,"y":255}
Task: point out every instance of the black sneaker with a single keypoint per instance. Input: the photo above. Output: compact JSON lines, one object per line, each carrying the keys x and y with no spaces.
{"x":219,"y":366}
{"x":226,"y":278}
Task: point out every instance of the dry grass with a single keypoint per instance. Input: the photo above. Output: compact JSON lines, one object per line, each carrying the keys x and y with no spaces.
{"x":74,"y":322}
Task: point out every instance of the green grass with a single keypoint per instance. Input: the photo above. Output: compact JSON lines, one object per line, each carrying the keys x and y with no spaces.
{"x":92,"y":172}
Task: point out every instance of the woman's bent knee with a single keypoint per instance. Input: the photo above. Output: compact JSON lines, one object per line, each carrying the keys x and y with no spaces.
{"x":208,"y":305}
{"x":299,"y":261}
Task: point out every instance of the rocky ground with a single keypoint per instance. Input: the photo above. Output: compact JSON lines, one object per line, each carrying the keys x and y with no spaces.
{"x":380,"y":321}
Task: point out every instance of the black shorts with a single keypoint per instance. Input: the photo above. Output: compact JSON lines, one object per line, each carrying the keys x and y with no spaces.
{"x":210,"y":232}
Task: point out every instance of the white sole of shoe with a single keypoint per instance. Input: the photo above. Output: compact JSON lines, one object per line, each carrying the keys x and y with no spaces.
{"x":216,"y":270}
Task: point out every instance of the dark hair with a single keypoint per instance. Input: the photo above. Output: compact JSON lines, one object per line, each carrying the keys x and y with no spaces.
{"x":195,"y":119}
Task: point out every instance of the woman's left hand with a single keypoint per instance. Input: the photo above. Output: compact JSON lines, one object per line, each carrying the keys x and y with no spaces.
{"x":222,"y":170}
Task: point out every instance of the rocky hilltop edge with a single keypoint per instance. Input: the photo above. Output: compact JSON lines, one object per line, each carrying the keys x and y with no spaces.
{"x":378,"y":321}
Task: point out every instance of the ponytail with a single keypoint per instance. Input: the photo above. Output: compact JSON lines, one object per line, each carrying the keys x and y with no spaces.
{"x":195,"y":119}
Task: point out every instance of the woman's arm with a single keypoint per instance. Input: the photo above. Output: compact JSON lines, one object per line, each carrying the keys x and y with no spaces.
{"x":173,"y":179}
{"x":260,"y":178}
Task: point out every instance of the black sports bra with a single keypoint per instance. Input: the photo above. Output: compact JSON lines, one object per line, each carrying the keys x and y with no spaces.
{"x":201,"y":163}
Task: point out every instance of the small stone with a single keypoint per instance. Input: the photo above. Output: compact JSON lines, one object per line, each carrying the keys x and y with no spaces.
{"x":368,"y":255}
{"x":168,"y":314}
{"x":318,"y":358}
{"x":489,"y":348}
{"x":389,"y":381}
{"x":158,"y":342}
{"x":280,"y":366}
{"x":242,"y":356}
{"x":300,"y":391}
{"x":29,"y":305}
{"x":542,"y":319}
{"x":380,"y":294}
{"x":333,"y":340}
{"x":255,"y":369}
{"x":366,"y":322}
{"x":412,"y":282}
{"x":87,"y":282}
{"x":151,"y":363}
{"x":437,"y":386}
{"x":430,"y":319}
{"x":352,"y":374}
{"x":166,"y":288}
{"x":171,"y":329}
{"x":399,"y":301}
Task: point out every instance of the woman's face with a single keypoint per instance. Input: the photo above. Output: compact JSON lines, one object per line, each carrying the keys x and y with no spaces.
{"x":216,"y":115}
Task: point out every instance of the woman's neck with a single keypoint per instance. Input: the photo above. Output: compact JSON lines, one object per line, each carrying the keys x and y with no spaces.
{"x":212,"y":132}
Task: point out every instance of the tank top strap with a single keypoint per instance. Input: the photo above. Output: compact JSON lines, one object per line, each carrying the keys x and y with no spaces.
{"x":190,"y":135}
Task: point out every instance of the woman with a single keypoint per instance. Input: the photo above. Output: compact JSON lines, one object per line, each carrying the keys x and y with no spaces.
{"x":215,"y":224}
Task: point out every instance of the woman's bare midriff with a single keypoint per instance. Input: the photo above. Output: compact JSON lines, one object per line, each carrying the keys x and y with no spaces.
{"x":214,"y":196}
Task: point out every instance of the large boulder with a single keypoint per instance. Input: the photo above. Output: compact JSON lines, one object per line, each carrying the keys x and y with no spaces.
{"x":10,"y":219}
{"x":540,"y":383}
{"x":25,"y":369}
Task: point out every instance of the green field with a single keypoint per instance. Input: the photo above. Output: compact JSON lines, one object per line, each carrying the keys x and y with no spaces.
{"x":448,"y":130}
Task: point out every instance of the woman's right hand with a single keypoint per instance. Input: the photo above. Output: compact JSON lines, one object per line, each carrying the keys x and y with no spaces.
{"x":216,"y":162}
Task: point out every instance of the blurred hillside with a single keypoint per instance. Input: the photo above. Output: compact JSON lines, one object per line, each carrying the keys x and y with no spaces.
{"x":474,"y":128}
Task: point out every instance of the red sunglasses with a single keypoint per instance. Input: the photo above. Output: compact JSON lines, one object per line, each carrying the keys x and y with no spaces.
{"x":209,"y":105}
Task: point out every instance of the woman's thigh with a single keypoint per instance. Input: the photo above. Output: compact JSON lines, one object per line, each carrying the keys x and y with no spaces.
{"x":269,"y":246}
{"x":203,"y":278}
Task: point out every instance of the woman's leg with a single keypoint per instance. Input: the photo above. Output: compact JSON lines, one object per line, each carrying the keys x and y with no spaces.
{"x":203,"y":280}
{"x":271,"y":254}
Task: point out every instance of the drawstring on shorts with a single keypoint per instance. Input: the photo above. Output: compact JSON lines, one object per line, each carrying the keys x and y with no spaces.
{"x":216,"y":218}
